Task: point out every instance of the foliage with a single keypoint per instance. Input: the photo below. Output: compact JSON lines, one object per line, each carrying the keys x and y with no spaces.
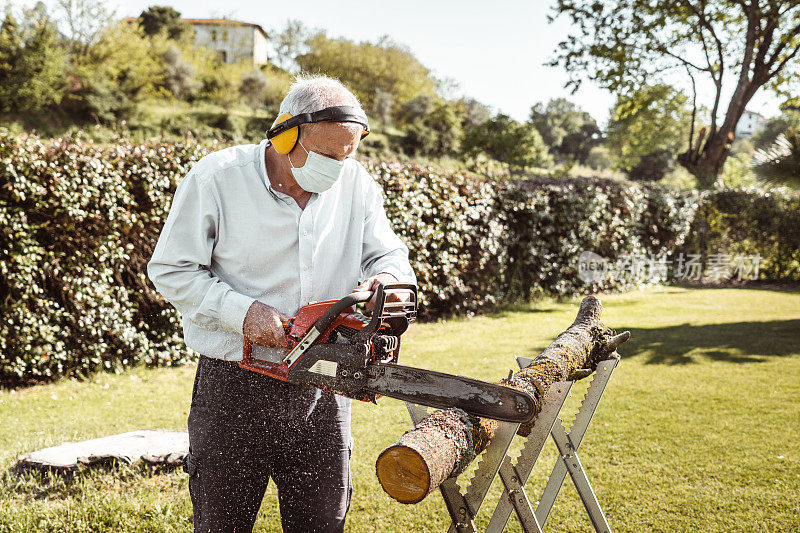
{"x":415,"y":109}
{"x":627,"y":44}
{"x":472,"y":112}
{"x":179,"y":75}
{"x":289,"y":43}
{"x":76,"y":225}
{"x":31,"y":63}
{"x":651,"y":122}
{"x":652,"y":166}
{"x":748,"y":221}
{"x":517,"y":145}
{"x":436,"y":133}
{"x":554,"y":220}
{"x":738,"y":171}
{"x":774,"y":127}
{"x":157,"y":19}
{"x":780,"y":163}
{"x":75,"y":298}
{"x":84,"y":21}
{"x":568,"y":131}
{"x":599,"y":158}
{"x":679,"y":179}
{"x":253,"y":87}
{"x":364,"y":67}
{"x":120,"y":70}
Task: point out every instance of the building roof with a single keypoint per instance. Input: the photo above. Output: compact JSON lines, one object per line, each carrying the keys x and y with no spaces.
{"x":221,"y":22}
{"x":758,"y":115}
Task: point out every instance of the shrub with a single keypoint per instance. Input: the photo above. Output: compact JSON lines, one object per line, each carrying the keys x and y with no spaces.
{"x":750,"y":221}
{"x":77,"y":224}
{"x":79,"y":221}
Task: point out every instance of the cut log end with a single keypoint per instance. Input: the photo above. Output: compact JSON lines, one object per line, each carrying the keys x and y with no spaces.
{"x":403,"y":474}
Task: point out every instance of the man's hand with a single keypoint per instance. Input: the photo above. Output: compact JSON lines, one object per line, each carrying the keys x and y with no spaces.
{"x":264,"y":325}
{"x":371,"y":284}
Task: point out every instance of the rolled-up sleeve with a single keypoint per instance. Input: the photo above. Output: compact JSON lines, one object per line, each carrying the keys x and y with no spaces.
{"x":382,"y":251}
{"x":180,"y":266}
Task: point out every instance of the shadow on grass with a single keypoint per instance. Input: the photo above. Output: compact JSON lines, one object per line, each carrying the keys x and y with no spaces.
{"x":735,"y":342}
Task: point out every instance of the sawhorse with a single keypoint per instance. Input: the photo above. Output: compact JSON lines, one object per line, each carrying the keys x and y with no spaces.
{"x":464,"y":507}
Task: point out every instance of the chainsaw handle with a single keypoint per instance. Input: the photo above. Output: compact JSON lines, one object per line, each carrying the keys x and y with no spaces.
{"x":336,"y":309}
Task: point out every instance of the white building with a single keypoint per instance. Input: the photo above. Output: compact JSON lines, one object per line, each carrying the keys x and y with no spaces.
{"x":750,"y":123}
{"x":234,"y":40}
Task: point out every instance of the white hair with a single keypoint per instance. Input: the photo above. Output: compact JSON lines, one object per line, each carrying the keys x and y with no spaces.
{"x":309,"y":93}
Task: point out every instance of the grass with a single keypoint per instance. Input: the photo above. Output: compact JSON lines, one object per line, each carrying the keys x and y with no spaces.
{"x":697,"y":430}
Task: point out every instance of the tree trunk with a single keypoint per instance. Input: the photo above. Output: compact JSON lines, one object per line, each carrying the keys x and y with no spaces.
{"x":446,"y":442}
{"x":706,"y":164}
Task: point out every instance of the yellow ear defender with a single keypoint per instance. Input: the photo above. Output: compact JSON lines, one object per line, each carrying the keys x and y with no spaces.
{"x":284,"y":142}
{"x":284,"y":131}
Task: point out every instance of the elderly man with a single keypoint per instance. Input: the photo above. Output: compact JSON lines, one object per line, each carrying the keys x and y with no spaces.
{"x":254,"y":233}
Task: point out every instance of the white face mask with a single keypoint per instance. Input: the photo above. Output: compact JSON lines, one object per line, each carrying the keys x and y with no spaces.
{"x":319,"y":173}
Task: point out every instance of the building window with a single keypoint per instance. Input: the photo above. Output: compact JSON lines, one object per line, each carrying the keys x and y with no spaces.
{"x":213,"y":36}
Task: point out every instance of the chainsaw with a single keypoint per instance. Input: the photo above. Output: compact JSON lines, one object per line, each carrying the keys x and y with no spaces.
{"x":334,"y":348}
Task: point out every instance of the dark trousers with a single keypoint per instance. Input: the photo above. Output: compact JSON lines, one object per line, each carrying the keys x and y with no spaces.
{"x":245,"y":428}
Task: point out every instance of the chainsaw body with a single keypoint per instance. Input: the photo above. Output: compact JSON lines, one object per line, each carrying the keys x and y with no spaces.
{"x":334,"y":348}
{"x":338,"y":357}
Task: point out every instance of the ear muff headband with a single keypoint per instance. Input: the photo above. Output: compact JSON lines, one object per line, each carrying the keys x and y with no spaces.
{"x":283,"y":133}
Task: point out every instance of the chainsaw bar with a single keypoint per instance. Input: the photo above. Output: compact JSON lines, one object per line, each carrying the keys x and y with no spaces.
{"x":437,"y":389}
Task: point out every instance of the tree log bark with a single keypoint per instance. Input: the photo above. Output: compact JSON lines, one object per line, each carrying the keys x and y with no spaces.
{"x":446,"y":442}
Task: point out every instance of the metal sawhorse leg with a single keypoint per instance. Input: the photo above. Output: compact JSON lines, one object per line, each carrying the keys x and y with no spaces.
{"x":464,"y":507}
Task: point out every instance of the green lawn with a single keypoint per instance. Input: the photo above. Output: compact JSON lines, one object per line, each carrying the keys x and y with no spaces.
{"x":698,"y":430}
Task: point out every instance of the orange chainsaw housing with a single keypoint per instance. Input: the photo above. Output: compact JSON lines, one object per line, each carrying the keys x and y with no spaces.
{"x":295,"y":329}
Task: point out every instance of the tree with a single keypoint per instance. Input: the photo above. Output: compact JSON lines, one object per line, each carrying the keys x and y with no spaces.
{"x":179,"y":74}
{"x":471,"y":111}
{"x":120,"y":69}
{"x":254,"y":85}
{"x":599,"y":158}
{"x":156,"y":19}
{"x":289,"y":43}
{"x":437,"y":133}
{"x":84,"y":21}
{"x":629,"y":43}
{"x":566,"y":129}
{"x":31,"y":63}
{"x":517,"y":145}
{"x":416,"y":109}
{"x":365,"y":67}
{"x":651,"y":123}
{"x":382,"y":106}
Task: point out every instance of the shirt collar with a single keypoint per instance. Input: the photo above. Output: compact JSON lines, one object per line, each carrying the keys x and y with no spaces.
{"x":261,"y":167}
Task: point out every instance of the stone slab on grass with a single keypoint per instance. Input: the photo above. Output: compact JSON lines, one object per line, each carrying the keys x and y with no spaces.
{"x":156,"y":447}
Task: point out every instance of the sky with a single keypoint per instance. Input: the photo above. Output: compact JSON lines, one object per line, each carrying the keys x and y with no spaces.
{"x":495,"y":51}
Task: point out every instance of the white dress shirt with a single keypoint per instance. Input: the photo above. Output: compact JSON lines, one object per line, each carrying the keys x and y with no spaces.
{"x":231,"y":239}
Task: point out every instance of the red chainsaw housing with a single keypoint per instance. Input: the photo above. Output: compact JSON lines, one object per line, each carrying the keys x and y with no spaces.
{"x":295,"y":329}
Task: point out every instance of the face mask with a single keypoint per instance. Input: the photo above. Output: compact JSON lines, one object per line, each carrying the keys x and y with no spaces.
{"x":319,"y":172}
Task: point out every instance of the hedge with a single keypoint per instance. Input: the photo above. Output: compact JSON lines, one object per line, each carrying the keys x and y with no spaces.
{"x":78,"y":223}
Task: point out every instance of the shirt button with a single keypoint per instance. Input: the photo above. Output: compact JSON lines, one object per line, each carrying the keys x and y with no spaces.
{"x":305,"y":233}
{"x":305,"y":267}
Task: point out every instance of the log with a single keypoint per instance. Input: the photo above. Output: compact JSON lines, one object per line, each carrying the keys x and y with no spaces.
{"x":447,"y":441}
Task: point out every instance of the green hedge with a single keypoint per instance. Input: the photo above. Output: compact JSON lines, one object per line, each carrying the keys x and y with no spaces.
{"x":78,"y":223}
{"x":748,"y":221}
